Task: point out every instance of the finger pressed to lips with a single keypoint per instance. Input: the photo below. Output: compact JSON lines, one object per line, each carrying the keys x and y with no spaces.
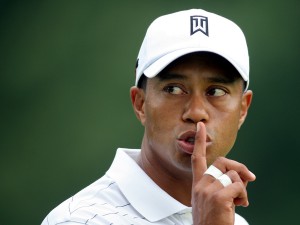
{"x":198,"y":158}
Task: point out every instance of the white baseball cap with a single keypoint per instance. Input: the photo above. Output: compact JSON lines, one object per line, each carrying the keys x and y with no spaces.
{"x":174,"y":35}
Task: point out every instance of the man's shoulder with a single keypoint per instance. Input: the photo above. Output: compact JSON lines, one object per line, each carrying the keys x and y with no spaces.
{"x":101,"y":202}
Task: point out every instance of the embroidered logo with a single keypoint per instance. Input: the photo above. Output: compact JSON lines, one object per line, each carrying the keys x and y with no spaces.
{"x":199,"y":23}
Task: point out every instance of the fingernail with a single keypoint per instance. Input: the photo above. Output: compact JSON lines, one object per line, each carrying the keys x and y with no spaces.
{"x":198,"y":127}
{"x":253,"y":175}
{"x":248,"y":203}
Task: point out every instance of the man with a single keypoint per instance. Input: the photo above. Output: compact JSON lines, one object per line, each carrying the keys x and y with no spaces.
{"x":192,"y":97}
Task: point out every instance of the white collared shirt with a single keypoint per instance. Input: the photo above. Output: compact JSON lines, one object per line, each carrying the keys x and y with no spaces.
{"x":125,"y":195}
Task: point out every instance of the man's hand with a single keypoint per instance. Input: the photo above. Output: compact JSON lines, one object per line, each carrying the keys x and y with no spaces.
{"x":213,"y":203}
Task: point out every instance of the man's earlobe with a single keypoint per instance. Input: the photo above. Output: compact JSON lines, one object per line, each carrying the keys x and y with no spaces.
{"x":137,"y":96}
{"x":246,"y":102}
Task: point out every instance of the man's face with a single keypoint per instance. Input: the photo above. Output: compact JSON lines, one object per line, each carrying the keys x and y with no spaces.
{"x":190,"y":90}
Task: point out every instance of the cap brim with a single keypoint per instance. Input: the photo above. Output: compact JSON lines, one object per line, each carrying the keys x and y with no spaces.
{"x":165,"y":60}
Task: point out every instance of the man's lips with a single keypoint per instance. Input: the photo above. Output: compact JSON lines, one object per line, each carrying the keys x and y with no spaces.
{"x":186,"y":141}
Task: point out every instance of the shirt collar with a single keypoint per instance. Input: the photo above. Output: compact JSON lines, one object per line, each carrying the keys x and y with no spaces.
{"x":142,"y":192}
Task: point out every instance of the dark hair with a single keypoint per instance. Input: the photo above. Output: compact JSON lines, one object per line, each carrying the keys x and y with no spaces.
{"x":142,"y":83}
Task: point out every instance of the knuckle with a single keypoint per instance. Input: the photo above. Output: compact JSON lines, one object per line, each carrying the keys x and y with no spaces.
{"x":205,"y":193}
{"x":233,"y":175}
{"x":193,"y":158}
{"x":220,"y":159}
{"x":216,"y":198}
{"x":241,"y":166}
{"x":197,"y":190}
{"x":219,"y":163}
{"x":241,"y":185}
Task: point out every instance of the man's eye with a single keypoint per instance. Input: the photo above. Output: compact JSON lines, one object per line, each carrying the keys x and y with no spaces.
{"x":174,"y":90}
{"x":216,"y":92}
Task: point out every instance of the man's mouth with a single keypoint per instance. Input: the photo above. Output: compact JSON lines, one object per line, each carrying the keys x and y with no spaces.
{"x":186,"y":141}
{"x":190,"y":140}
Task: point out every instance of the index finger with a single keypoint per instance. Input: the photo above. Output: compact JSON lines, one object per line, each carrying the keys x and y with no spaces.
{"x":199,"y":164}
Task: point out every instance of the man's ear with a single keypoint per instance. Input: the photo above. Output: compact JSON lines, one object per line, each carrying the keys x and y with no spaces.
{"x":245,"y":104}
{"x":137,"y":96}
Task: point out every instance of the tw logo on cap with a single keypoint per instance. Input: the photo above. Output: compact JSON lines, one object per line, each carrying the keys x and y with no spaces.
{"x":199,"y":23}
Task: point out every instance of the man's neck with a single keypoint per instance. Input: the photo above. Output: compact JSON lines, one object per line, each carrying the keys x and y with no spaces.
{"x":177,"y":186}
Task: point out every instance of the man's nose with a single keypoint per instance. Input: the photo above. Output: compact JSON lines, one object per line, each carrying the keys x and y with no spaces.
{"x":196,"y":110}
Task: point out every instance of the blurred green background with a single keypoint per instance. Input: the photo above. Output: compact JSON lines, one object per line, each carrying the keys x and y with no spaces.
{"x":65,"y":72}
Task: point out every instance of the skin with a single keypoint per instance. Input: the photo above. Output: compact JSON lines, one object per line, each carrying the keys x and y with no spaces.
{"x":196,"y":99}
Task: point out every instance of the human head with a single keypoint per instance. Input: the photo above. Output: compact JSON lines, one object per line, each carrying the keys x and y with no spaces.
{"x":174,"y":35}
{"x":220,"y":48}
{"x":197,"y":87}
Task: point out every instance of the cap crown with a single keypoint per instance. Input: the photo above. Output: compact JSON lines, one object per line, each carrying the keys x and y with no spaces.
{"x":174,"y":35}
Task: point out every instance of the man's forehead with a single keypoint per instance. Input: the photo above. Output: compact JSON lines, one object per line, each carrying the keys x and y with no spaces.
{"x":221,"y":67}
